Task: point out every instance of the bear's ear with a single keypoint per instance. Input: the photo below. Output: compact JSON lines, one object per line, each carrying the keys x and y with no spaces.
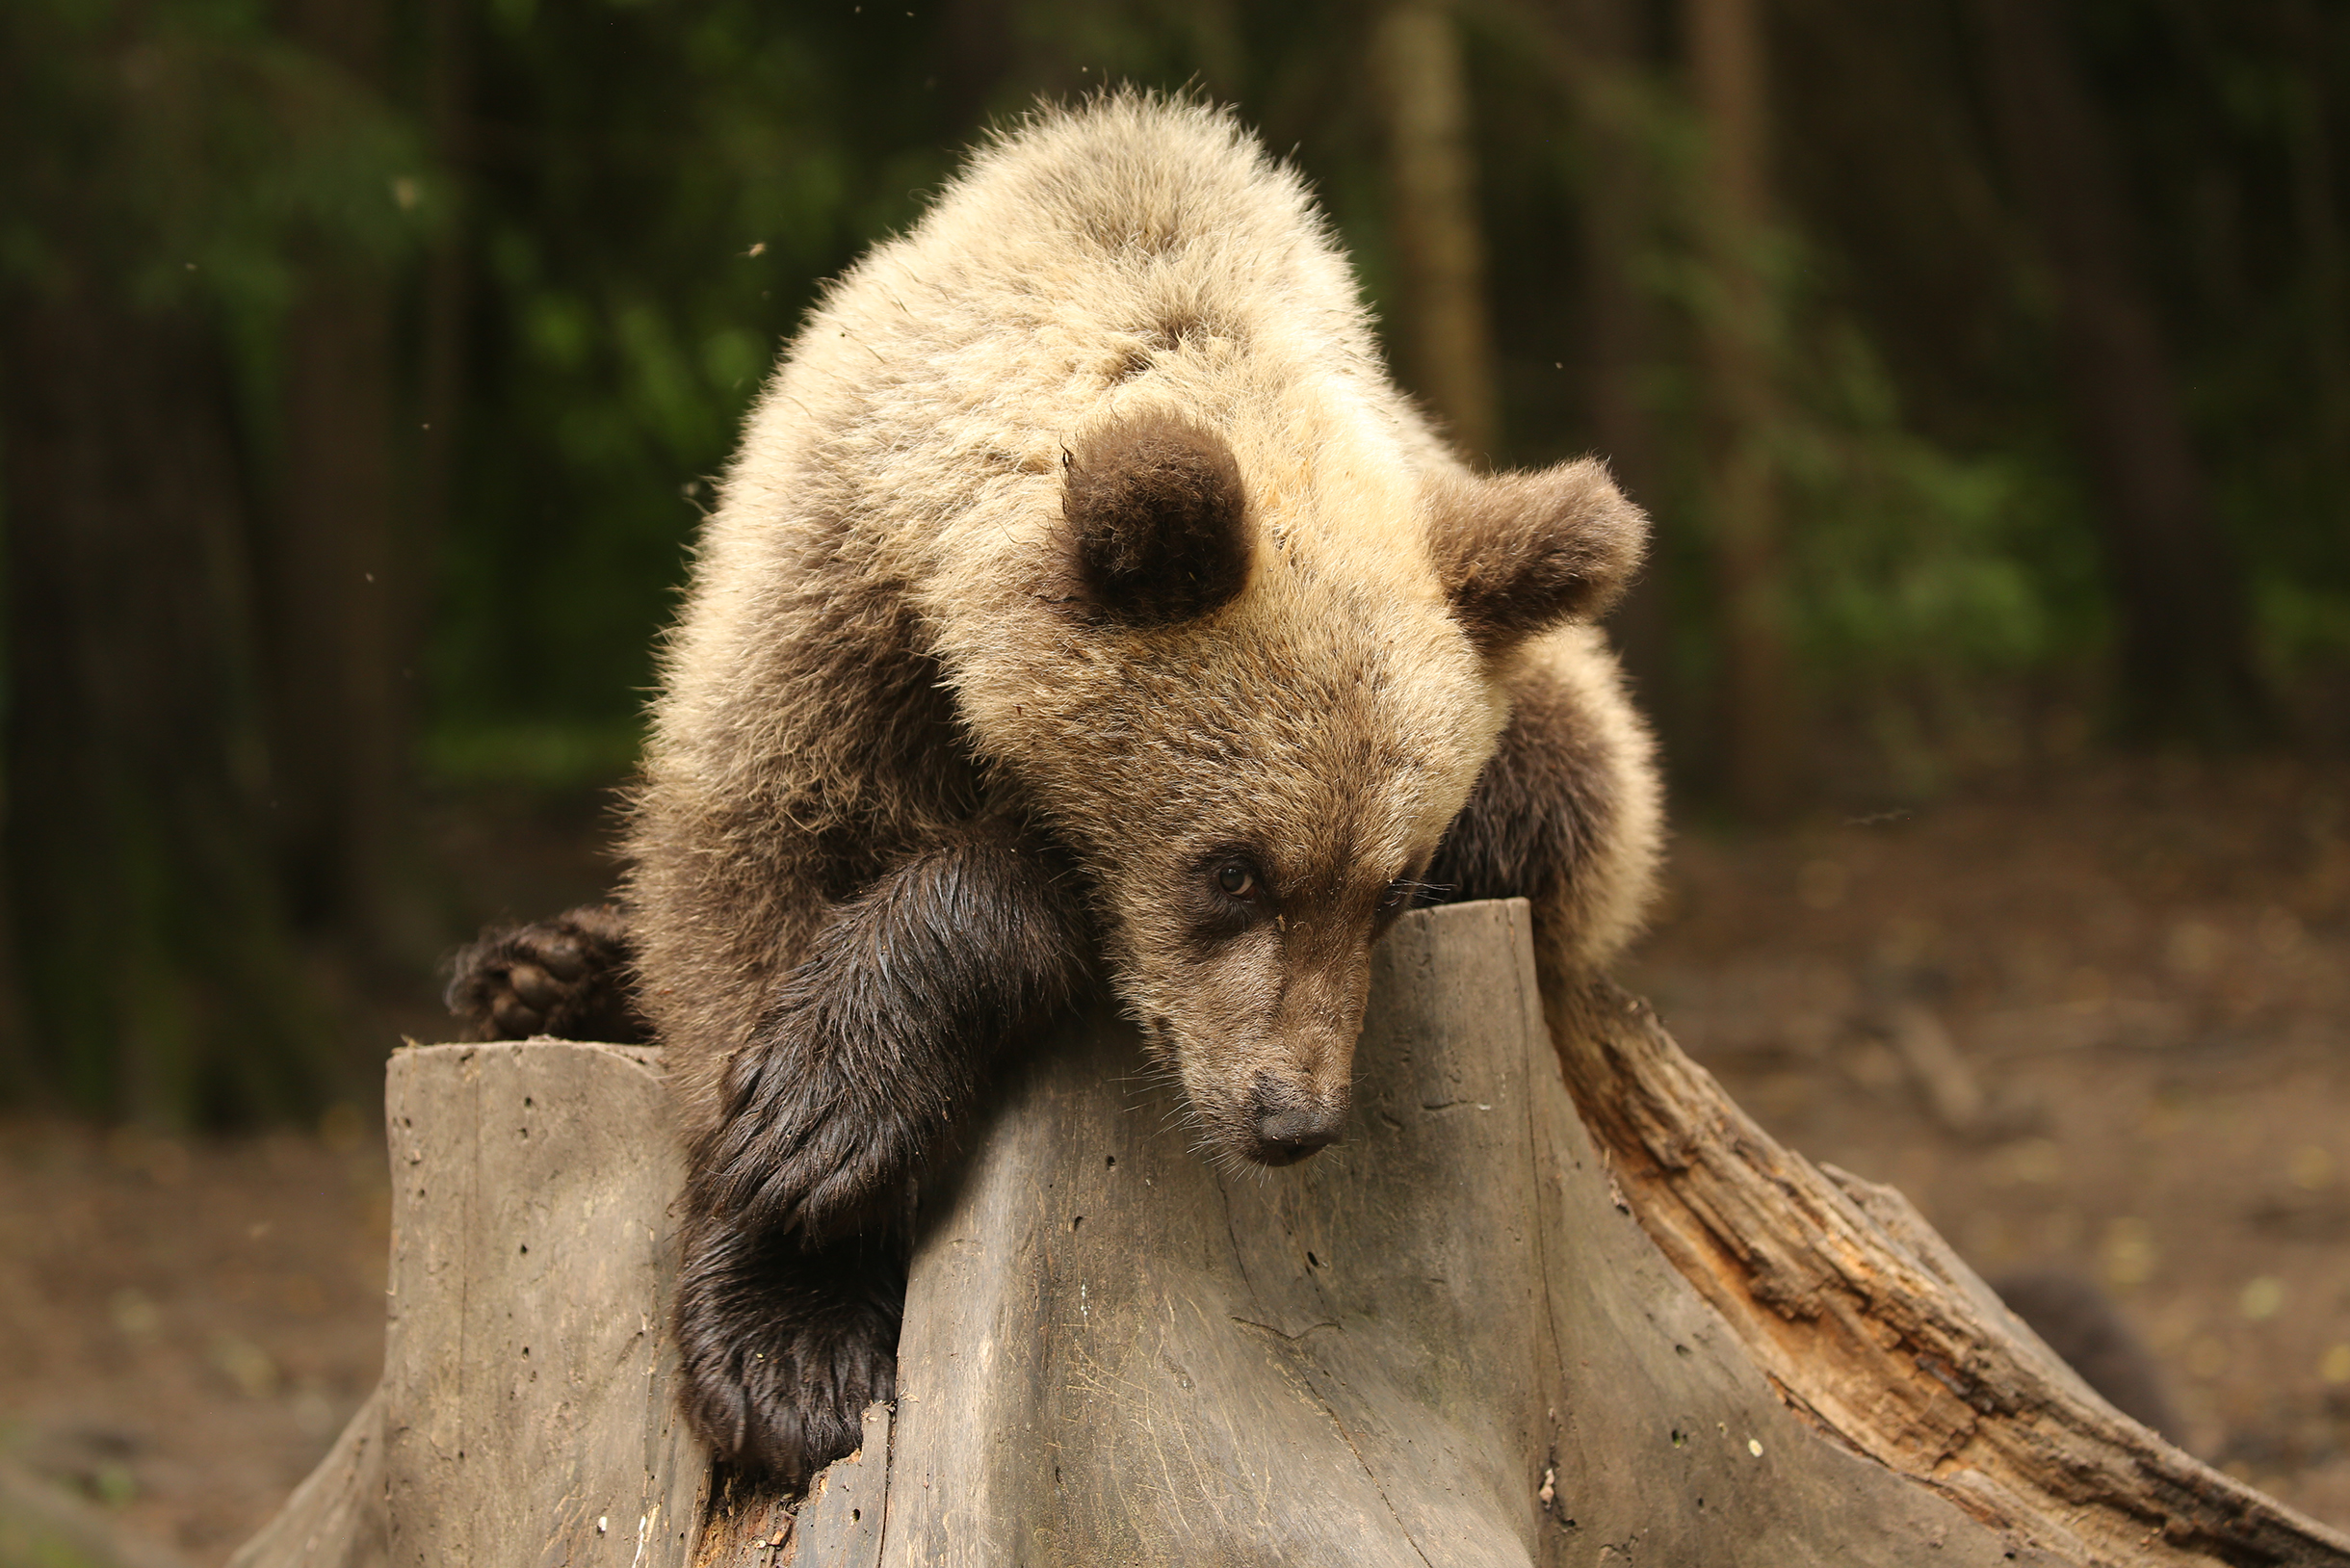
{"x":1521,"y":553}
{"x":1157,"y":526}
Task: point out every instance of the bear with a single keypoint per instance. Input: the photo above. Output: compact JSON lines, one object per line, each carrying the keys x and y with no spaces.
{"x":1086,"y":612}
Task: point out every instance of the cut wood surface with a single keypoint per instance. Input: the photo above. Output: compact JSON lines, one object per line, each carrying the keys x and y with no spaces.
{"x":1466,"y":1335}
{"x":527,"y":1370}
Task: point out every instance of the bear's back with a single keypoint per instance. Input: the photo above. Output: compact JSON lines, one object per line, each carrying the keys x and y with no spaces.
{"x":899,"y":481}
{"x":1088,"y":251}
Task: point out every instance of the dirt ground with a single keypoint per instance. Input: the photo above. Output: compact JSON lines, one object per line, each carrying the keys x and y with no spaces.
{"x":2102,"y":1026}
{"x":186,"y":1324}
{"x":2102,"y":1023}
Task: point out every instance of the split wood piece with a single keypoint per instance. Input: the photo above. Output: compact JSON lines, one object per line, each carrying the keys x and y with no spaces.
{"x":1869,"y":1325}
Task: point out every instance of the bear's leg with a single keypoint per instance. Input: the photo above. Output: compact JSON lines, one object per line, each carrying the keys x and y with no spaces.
{"x":1545,"y":801}
{"x":867,"y":1057}
{"x":1566,"y":813}
{"x":568,"y":977}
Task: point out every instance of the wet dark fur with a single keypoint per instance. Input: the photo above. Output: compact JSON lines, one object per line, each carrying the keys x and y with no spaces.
{"x":876,"y":1043}
{"x":784,"y":1345}
{"x":869,"y":1053}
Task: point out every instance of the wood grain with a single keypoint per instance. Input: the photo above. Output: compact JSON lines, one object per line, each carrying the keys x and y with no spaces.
{"x":529,"y":1411}
{"x":1868,"y":1324}
{"x":1115,"y":1353}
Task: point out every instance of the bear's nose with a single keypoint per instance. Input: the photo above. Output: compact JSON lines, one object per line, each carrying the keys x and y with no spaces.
{"x":1289,"y":1129}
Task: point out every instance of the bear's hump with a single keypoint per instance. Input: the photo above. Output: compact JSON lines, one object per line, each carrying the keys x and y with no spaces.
{"x":1132,"y":173}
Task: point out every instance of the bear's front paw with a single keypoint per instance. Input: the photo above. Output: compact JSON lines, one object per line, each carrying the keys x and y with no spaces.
{"x":781,"y":1350}
{"x":565,"y":977}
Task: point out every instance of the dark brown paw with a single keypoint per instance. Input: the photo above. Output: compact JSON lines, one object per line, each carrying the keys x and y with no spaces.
{"x":568,"y":977}
{"x":782,"y":1349}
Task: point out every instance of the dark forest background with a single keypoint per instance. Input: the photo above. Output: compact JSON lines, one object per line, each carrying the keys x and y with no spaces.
{"x":364,"y":365}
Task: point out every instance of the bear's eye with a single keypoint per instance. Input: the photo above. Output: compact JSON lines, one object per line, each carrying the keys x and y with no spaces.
{"x":1228,"y":896}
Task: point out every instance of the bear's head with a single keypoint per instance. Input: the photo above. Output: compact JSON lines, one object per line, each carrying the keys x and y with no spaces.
{"x":1275,"y":672}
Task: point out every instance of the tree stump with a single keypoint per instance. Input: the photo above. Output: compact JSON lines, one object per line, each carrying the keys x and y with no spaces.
{"x":1468,"y":1334}
{"x":527,"y":1412}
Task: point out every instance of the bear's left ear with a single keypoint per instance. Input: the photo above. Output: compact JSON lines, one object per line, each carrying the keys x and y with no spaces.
{"x":1521,"y":553}
{"x":1156,"y":522}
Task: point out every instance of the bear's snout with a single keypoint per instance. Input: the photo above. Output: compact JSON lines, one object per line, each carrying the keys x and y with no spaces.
{"x":1291,"y":1122}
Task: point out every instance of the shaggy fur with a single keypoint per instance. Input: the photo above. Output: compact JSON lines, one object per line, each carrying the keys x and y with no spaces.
{"x":1084,"y":597}
{"x":879,"y":1035}
{"x":1521,"y":552}
{"x":1567,"y":812}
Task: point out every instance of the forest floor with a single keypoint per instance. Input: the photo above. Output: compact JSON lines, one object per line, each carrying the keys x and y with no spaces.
{"x":2101,"y":1027}
{"x":2103,"y":1024}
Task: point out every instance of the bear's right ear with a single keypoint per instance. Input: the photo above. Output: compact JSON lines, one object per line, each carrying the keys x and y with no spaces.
{"x":1158,"y":524}
{"x":1521,"y":553}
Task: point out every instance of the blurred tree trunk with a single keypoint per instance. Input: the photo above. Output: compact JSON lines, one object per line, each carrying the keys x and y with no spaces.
{"x":332,"y":602}
{"x":447,"y":300}
{"x":1736,"y":332}
{"x":2186,"y":669}
{"x":975,"y":53}
{"x":2313,"y":211}
{"x":160,"y":973}
{"x":1440,"y":247}
{"x":1605,"y":65}
{"x":21,"y":1070}
{"x":341,"y":573}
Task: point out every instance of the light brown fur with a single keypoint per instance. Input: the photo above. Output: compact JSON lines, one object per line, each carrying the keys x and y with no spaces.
{"x":883,"y":534}
{"x":881,"y":644}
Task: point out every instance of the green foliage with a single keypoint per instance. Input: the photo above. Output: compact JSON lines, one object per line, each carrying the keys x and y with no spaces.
{"x":623,"y":207}
{"x":662,"y":189}
{"x":185,"y":154}
{"x":644,"y":197}
{"x":172,"y":176}
{"x":2230,"y":121}
{"x":1912,"y":560}
{"x":658,"y":188}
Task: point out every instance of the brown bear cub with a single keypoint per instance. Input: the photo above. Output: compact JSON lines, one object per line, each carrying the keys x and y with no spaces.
{"x":1085,"y":607}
